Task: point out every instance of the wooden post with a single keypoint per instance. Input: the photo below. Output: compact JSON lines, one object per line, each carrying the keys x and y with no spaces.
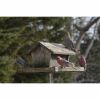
{"x":51,"y":77}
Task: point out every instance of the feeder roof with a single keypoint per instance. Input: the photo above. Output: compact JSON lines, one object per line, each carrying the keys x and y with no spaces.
{"x":57,"y":48}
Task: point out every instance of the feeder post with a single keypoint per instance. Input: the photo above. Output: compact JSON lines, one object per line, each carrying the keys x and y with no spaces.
{"x":51,"y":77}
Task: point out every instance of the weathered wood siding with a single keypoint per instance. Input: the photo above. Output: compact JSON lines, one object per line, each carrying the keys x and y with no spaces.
{"x":41,"y":56}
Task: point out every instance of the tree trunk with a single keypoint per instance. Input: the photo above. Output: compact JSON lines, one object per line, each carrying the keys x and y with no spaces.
{"x":89,"y":48}
{"x":90,"y":45}
{"x":82,"y":34}
{"x":84,"y":29}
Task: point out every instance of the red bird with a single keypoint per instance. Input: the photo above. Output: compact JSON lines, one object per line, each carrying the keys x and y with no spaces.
{"x":82,"y":61}
{"x":61,"y":61}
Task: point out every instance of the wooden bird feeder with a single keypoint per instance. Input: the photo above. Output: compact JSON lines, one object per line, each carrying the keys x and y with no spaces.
{"x":44,"y":56}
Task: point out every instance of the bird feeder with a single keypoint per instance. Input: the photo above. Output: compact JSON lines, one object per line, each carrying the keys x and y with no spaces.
{"x":43,"y":59}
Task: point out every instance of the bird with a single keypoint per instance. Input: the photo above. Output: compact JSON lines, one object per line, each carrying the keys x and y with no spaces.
{"x":62,"y":62}
{"x":82,"y":61}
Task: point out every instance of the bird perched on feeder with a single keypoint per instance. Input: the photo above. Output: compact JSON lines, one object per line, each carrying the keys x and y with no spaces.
{"x":62,"y":62}
{"x":82,"y":61}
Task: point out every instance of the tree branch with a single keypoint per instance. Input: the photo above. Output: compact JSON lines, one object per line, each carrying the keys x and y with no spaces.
{"x":91,"y":43}
{"x":81,"y":36}
{"x":89,"y":24}
{"x":89,"y":47}
{"x":84,"y":29}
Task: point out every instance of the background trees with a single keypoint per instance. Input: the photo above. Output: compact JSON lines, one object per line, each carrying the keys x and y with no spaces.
{"x":19,"y":34}
{"x":88,"y":35}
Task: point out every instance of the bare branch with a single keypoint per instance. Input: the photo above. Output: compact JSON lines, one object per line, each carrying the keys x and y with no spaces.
{"x":89,"y":47}
{"x":89,"y":24}
{"x":91,"y":43}
{"x":81,"y":36}
{"x":84,"y":29}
